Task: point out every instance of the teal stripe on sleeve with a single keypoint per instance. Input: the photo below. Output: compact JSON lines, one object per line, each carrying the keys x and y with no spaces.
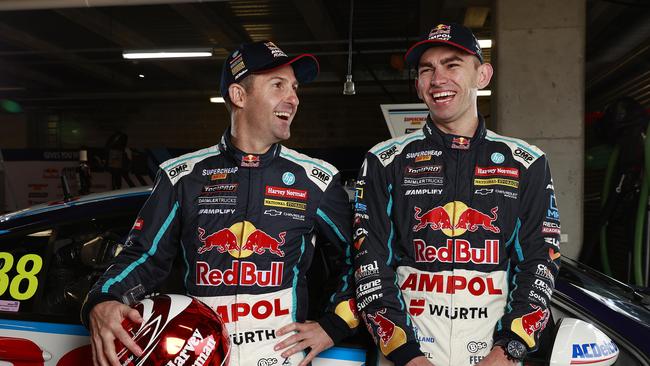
{"x":107,"y":285}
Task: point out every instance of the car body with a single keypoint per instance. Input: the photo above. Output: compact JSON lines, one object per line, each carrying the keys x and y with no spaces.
{"x":52,"y":253}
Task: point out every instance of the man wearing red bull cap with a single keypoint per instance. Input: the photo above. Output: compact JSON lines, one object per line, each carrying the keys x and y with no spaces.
{"x":243,"y":214}
{"x":456,"y":237}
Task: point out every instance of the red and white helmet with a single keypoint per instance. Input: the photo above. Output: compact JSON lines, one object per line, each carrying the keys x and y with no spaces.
{"x":176,"y":330}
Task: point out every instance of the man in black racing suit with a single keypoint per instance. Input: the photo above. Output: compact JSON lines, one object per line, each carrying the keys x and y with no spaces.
{"x":243,"y":215}
{"x":456,"y":240}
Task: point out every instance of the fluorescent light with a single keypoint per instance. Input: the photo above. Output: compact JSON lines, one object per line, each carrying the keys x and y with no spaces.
{"x":484,"y":93}
{"x":217,"y":100}
{"x":172,"y":53}
{"x":485,"y":43}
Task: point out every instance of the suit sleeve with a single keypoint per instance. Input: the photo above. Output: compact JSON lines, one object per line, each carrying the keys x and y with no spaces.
{"x":334,"y":221}
{"x":148,"y":252}
{"x":379,"y":299}
{"x":534,"y":259}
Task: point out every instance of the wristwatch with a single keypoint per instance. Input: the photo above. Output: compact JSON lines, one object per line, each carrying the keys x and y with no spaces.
{"x":513,"y":349}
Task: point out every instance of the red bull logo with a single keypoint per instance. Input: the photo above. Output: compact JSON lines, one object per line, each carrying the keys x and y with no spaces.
{"x":454,"y":218}
{"x":223,"y":240}
{"x":457,"y":251}
{"x":390,"y":336}
{"x":527,"y":325}
{"x":230,"y":240}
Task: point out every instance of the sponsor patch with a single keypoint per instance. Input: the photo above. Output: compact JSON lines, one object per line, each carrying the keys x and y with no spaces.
{"x":365,"y":289}
{"x":424,"y":181}
{"x":220,"y":188}
{"x":390,"y":335}
{"x":260,"y":335}
{"x":460,"y":143}
{"x":218,"y":176}
{"x":211,"y":172}
{"x":388,"y":153}
{"x":366,"y":270}
{"x":497,"y":158}
{"x":250,"y":161}
{"x":259,"y":310}
{"x":139,"y":224}
{"x":290,"y":193}
{"x":217,"y":200}
{"x":473,"y":347}
{"x":216,"y":211}
{"x":491,"y":171}
{"x":321,"y":175}
{"x":288,"y":178}
{"x":552,"y":213}
{"x":550,"y":227}
{"x":526,"y":326}
{"x":424,"y":170}
{"x":291,"y":215}
{"x":496,"y":181}
{"x":176,"y":170}
{"x":450,"y":284}
{"x":285,"y":204}
{"x":422,"y":191}
{"x":242,"y":273}
{"x":423,"y":155}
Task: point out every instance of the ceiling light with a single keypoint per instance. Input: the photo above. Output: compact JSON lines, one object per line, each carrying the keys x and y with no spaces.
{"x":484,"y":93}
{"x":485,"y":43}
{"x":171,"y":53}
{"x":217,"y":100}
{"x":140,"y":75}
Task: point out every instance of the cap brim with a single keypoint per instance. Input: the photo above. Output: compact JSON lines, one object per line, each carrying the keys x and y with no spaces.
{"x":414,"y":53}
{"x":305,"y":67}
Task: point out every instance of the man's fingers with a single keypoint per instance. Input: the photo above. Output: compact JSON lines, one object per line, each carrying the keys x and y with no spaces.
{"x":98,"y":357}
{"x":312,"y":354}
{"x":295,"y":349}
{"x":287,"y":328}
{"x":108,"y":346}
{"x":128,"y":342}
{"x":134,"y":316}
{"x":287,"y":342}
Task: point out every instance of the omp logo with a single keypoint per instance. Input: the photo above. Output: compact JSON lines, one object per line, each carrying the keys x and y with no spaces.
{"x":177,"y":170}
{"x":386,"y":154}
{"x":320,"y":175}
{"x":523,"y":154}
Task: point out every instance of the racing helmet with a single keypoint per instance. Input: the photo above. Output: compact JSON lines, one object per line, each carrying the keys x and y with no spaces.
{"x":176,"y":330}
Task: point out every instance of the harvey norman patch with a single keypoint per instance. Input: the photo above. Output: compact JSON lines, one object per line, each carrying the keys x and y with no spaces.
{"x":496,"y":181}
{"x":286,"y":204}
{"x":491,"y":171}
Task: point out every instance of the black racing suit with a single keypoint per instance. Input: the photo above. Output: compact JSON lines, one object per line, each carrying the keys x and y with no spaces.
{"x":456,"y":244}
{"x":244,"y":226}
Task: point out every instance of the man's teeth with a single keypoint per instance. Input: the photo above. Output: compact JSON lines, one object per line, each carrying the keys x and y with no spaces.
{"x":282,"y":114}
{"x":444,"y":94}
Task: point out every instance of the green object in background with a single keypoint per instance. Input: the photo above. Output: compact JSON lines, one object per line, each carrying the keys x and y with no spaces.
{"x":597,"y":157}
{"x":641,"y":211}
{"x":10,"y":106}
{"x":611,"y":168}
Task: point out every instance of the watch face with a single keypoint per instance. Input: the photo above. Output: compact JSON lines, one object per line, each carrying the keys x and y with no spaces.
{"x":516,"y":349}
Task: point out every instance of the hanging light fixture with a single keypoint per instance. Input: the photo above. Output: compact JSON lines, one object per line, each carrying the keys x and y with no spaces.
{"x":348,"y":86}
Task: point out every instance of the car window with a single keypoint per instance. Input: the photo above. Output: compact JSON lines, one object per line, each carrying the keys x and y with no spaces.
{"x":46,"y":272}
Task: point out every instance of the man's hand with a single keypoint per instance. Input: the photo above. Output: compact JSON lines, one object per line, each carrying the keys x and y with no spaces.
{"x":496,"y":357}
{"x":106,"y":326}
{"x":309,"y":335}
{"x":419,"y":361}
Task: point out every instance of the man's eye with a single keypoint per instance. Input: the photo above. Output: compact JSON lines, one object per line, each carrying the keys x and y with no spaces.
{"x":422,"y":71}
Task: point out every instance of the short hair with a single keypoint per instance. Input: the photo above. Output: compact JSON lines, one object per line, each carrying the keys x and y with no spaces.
{"x":246,"y":83}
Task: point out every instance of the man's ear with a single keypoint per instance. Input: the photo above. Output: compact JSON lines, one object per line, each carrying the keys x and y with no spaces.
{"x":485,"y":72}
{"x":237,"y":95}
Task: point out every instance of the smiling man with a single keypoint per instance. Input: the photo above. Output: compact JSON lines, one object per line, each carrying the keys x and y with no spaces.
{"x":456,"y":239}
{"x":243,"y":215}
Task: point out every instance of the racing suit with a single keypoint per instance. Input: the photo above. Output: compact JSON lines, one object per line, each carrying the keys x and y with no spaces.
{"x":244,"y":225}
{"x":456,"y":244}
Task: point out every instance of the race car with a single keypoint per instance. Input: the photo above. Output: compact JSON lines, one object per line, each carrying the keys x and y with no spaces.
{"x":52,"y":253}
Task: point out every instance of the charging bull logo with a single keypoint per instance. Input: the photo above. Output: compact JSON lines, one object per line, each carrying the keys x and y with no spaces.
{"x":454,"y":218}
{"x":223,"y":240}
{"x":347,"y":310}
{"x":528,"y":324}
{"x":390,"y":335}
{"x":230,"y":240}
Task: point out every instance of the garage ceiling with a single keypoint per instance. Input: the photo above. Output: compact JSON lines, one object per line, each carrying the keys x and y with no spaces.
{"x":75,"y":54}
